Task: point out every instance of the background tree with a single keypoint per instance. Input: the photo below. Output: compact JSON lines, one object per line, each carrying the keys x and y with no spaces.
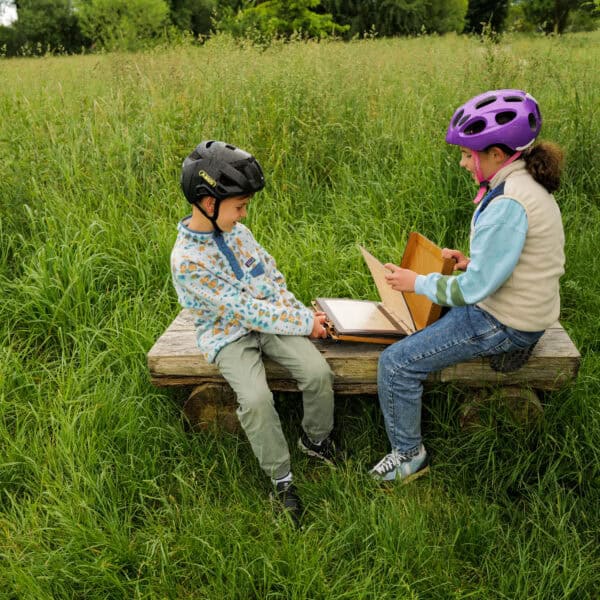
{"x":384,"y":17}
{"x":193,"y":15}
{"x":443,"y":17}
{"x":585,"y":18}
{"x":486,"y":13}
{"x":122,"y":24}
{"x":397,"y":17}
{"x":552,"y":16}
{"x":45,"y":25}
{"x":283,"y":18}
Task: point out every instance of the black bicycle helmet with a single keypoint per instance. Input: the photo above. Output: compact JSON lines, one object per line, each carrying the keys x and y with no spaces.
{"x":222,"y":171}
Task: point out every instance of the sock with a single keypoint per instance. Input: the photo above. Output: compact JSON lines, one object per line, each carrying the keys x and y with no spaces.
{"x":315,"y":442}
{"x":285,"y":479}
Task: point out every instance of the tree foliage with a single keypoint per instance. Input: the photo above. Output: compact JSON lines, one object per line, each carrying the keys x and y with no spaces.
{"x":487,"y":14}
{"x":70,"y":25}
{"x":194,"y":16}
{"x":443,"y":17}
{"x":122,"y":24}
{"x":283,"y":18}
{"x":397,"y":17}
{"x":552,"y":16}
{"x":44,"y":25}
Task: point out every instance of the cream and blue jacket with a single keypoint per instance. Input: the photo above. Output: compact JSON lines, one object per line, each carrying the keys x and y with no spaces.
{"x":232,"y":286}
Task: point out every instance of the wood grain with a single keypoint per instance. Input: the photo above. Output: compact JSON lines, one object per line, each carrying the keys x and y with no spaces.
{"x":174,"y":360}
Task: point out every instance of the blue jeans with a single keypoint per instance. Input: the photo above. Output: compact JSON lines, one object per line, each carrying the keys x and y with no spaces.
{"x":461,"y":334}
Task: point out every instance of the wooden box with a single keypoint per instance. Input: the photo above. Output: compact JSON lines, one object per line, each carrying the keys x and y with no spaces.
{"x":396,"y":314}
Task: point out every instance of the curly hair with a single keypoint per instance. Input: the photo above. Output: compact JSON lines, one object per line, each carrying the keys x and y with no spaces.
{"x":545,"y":161}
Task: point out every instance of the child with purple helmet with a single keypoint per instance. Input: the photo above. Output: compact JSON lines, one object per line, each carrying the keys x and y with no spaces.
{"x":508,"y":291}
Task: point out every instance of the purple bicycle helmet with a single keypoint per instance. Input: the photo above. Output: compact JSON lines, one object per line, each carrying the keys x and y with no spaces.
{"x":508,"y":117}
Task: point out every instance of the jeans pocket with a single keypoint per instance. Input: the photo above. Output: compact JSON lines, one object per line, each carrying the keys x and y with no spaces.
{"x":522,"y":339}
{"x":493,"y":322}
{"x":501,"y":346}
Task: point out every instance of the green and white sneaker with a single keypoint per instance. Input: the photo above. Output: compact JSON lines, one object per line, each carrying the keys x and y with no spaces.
{"x":402,"y":467}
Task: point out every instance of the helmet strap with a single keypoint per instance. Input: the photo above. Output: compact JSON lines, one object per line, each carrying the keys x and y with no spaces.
{"x":214,"y":217}
{"x":484,"y":183}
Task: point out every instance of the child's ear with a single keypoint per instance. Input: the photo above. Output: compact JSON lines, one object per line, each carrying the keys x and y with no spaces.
{"x":498,"y":154}
{"x":208,"y":203}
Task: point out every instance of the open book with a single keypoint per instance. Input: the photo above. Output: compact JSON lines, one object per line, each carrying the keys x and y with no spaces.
{"x":398,"y":314}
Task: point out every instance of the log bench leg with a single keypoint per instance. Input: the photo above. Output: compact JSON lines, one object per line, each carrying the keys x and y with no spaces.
{"x":212,"y":405}
{"x":523,"y":404}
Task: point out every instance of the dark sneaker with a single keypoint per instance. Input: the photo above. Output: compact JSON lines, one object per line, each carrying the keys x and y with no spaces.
{"x":402,"y":467}
{"x":325,"y":451}
{"x":507,"y":362}
{"x":286,"y":497}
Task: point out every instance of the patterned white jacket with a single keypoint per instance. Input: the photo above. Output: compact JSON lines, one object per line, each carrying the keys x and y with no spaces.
{"x":232,"y":286}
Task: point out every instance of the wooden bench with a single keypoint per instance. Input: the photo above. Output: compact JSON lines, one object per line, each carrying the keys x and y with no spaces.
{"x":175,"y":360}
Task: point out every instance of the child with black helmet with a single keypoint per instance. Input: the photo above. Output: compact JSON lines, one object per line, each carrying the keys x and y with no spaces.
{"x":508,"y":293}
{"x":243,"y":310}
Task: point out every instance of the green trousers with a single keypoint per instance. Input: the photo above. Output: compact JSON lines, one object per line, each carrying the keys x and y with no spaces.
{"x":242,"y":366}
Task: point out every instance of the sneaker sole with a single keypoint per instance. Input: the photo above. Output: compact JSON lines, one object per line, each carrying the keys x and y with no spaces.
{"x":314,"y":454}
{"x":410,"y":478}
{"x":414,"y":476}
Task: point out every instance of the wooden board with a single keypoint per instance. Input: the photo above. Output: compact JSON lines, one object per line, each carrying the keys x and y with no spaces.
{"x":175,"y":360}
{"x":424,"y":257}
{"x":394,"y":302}
{"x":399,"y":313}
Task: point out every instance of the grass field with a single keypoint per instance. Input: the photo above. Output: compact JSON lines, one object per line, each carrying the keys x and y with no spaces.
{"x":104,"y":492}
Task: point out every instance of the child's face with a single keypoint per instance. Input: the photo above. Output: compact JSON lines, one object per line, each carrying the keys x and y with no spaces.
{"x":489,"y":162}
{"x":231,"y":211}
{"x":467,"y":161}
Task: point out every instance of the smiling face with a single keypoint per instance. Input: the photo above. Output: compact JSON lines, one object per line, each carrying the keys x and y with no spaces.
{"x":467,"y":161}
{"x":489,"y":161}
{"x":232,"y":210}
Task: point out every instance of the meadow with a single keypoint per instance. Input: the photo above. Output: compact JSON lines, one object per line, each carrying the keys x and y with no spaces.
{"x":106,"y":492}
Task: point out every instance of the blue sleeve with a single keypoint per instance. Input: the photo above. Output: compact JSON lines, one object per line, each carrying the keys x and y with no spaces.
{"x":496,"y":246}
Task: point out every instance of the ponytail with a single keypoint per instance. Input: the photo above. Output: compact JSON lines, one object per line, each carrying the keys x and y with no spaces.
{"x":544,"y":162}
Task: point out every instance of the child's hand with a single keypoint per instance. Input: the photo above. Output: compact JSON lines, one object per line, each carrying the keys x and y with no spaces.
{"x":401,"y":280}
{"x":318,"y":330}
{"x":461,"y":260}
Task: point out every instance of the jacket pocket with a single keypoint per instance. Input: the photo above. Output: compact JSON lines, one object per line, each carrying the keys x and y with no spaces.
{"x":259,"y":269}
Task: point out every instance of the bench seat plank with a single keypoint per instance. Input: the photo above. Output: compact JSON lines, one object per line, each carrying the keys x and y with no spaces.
{"x":175,"y":360}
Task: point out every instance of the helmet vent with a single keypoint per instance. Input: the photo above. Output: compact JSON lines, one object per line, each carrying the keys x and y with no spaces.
{"x":459,"y":114}
{"x":505,"y":116}
{"x":230,"y":147}
{"x":464,"y":120}
{"x":513,"y":99}
{"x":532,"y":121}
{"x":475,"y":127}
{"x":209,"y":144}
{"x":485,"y":102}
{"x":227,"y":181}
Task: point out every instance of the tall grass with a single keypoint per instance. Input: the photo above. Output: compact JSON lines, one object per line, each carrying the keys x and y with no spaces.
{"x":105,"y":493}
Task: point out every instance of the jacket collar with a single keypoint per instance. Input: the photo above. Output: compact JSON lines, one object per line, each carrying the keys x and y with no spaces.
{"x":503,"y":174}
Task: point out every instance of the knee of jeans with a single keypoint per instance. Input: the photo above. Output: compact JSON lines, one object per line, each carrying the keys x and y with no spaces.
{"x":394,"y":365}
{"x":387,"y":362}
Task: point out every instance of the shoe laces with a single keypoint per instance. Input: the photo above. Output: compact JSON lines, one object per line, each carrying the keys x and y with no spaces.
{"x":387,"y":463}
{"x":393,"y":459}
